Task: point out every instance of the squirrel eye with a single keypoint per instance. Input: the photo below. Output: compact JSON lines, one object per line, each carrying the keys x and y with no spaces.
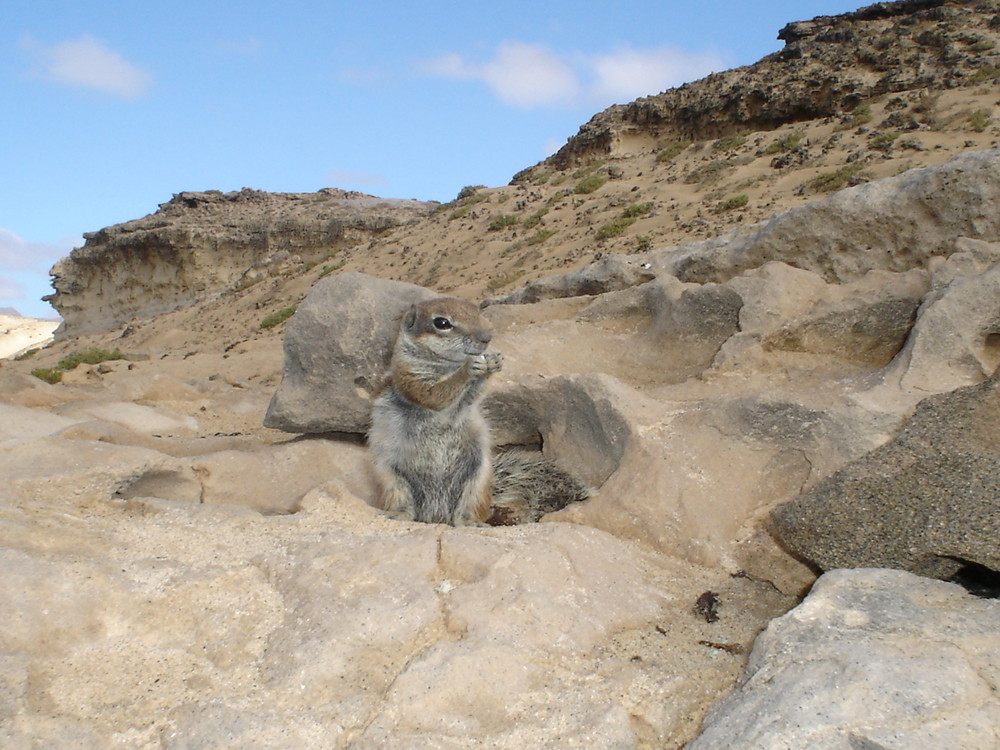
{"x":442,"y":323}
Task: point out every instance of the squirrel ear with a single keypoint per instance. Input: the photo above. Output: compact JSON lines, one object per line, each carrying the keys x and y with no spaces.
{"x":410,"y":318}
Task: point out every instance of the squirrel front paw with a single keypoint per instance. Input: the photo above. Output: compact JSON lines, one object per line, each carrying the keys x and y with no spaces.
{"x":483,"y":365}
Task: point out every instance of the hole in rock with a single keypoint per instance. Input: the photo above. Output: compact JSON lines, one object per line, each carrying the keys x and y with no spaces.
{"x":991,"y":352}
{"x":979,"y":580}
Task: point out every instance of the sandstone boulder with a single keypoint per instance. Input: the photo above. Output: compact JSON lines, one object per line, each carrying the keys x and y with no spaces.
{"x":871,"y":659}
{"x":925,"y":502}
{"x":337,"y":347}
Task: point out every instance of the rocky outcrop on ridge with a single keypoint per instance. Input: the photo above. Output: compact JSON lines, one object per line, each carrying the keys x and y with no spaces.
{"x":200,"y":244}
{"x":828,"y":66}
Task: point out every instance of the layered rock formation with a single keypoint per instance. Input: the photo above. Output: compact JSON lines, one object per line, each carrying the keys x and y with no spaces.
{"x":200,"y":244}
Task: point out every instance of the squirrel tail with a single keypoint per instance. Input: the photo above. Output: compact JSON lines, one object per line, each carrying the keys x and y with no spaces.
{"x":526,"y":486}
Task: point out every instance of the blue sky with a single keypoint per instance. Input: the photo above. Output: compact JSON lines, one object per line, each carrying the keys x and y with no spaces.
{"x":112,"y":106}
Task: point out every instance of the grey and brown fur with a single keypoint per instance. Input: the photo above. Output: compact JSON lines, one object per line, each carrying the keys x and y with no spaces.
{"x":429,"y":443}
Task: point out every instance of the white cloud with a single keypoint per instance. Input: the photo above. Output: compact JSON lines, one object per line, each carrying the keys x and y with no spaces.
{"x":530,"y":75}
{"x":88,"y":63}
{"x":10,"y":291}
{"x":521,"y":75}
{"x":17,"y":253}
{"x":627,"y":74}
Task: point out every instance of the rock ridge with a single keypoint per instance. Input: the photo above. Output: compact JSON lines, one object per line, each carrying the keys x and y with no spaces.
{"x":829,"y":66}
{"x":200,"y":244}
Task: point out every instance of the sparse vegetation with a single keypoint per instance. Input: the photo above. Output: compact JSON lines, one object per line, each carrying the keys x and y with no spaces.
{"x":539,"y":237}
{"x":327,"y":270}
{"x":88,"y":357}
{"x":706,"y":172}
{"x":638,"y":209}
{"x":535,"y":219}
{"x":277,"y":318}
{"x":469,"y":191}
{"x":26,"y":355}
{"x":93,"y":356}
{"x":729,"y":142}
{"x":614,"y":228}
{"x":861,"y":115}
{"x":502,"y":222}
{"x":671,"y":151}
{"x":787,"y":142}
{"x":979,"y":120}
{"x":732,"y":204}
{"x":830,"y":181}
{"x":589,"y":184}
{"x":643,"y":243}
{"x":50,"y":375}
{"x":883,"y":141}
{"x":985,"y":74}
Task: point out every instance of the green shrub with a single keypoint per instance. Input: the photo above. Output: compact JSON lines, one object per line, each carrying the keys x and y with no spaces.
{"x":729,"y":142}
{"x":737,"y":201}
{"x":502,"y":222}
{"x":979,"y":120}
{"x":830,"y":181}
{"x":539,"y":237}
{"x":277,"y":318}
{"x":985,"y":74}
{"x":589,"y":184}
{"x":638,"y":209}
{"x":327,"y":270}
{"x":26,"y":355}
{"x":468,"y":191}
{"x":535,"y":219}
{"x":88,"y":357}
{"x":50,"y":375}
{"x":883,"y":141}
{"x":614,"y":228}
{"x":706,"y":172}
{"x":671,"y":151}
{"x":786,"y":143}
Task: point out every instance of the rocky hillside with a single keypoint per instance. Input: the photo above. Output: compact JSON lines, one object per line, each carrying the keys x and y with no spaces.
{"x":829,"y":67}
{"x":198,"y":245}
{"x":770,"y":348}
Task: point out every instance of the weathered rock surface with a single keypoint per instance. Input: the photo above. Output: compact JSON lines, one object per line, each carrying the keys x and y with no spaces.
{"x":150,"y":623}
{"x":928,"y":501}
{"x":337,"y":348}
{"x":871,"y":659}
{"x":200,"y":244}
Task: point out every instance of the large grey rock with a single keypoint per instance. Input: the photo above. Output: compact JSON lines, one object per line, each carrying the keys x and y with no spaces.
{"x":956,"y":340}
{"x":871,"y":660}
{"x":893,"y":224}
{"x":337,"y":347}
{"x":925,"y":502}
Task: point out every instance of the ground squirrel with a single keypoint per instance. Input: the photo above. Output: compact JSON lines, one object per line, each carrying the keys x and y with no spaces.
{"x":428,"y":441}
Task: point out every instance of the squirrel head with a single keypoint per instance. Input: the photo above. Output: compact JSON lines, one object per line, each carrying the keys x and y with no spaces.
{"x":450,"y":327}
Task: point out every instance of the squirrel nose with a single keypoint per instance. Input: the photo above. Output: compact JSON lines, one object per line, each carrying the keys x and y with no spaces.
{"x":484,"y":336}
